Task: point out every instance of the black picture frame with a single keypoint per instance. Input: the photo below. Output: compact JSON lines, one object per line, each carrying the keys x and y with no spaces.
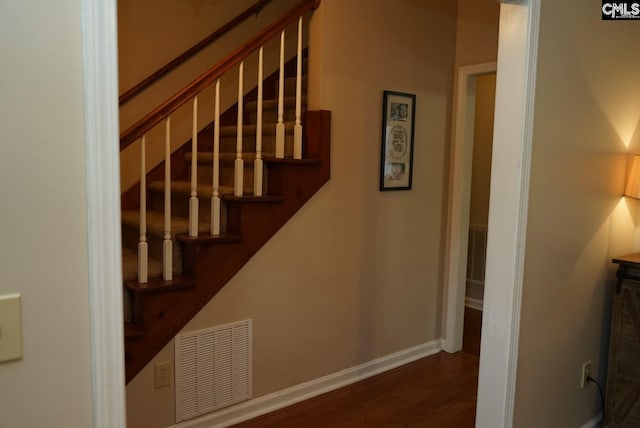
{"x":396,"y":153}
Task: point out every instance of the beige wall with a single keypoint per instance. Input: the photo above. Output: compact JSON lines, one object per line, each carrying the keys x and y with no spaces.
{"x":355,"y":274}
{"x":42,"y":186}
{"x":586,"y":114}
{"x":477,"y":31}
{"x":477,"y":43}
{"x":153,"y":32}
{"x":482,"y":145}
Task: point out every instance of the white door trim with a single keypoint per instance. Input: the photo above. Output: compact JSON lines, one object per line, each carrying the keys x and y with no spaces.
{"x":460,"y":191}
{"x":512,"y":140}
{"x":100,"y":52}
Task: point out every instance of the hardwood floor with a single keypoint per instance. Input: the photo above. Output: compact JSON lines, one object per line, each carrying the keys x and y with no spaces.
{"x":437,"y":391}
{"x":472,"y":331}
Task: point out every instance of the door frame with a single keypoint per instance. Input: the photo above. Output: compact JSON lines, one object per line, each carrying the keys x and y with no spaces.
{"x":460,"y":191}
{"x":519,"y":23}
{"x":508,"y":207}
{"x":102,"y":152}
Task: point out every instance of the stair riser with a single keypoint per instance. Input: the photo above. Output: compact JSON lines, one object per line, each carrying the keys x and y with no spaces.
{"x":271,"y":115}
{"x":131,"y":237}
{"x":180,"y":207}
{"x":290,"y":86}
{"x":227,"y":174}
{"x":228,"y":144}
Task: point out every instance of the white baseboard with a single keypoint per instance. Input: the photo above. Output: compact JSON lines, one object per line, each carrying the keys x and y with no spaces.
{"x":473,"y":303}
{"x":286,"y":397}
{"x":594,"y":423}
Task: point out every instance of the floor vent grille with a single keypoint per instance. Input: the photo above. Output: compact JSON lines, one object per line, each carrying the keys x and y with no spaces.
{"x":213,"y":369}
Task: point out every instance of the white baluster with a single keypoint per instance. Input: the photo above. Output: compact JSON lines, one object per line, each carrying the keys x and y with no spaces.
{"x":215,"y":195}
{"x":297,"y":130}
{"x":193,"y":200}
{"x":143,"y":246}
{"x":280,"y":125}
{"x":167,"y":245}
{"x":257,"y":167}
{"x":239,"y":165}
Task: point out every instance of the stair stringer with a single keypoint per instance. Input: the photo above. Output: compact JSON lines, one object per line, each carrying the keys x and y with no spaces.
{"x":213,"y":263}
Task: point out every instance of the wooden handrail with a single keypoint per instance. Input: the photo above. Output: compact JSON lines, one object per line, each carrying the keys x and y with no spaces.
{"x":189,"y":53}
{"x":188,"y":92}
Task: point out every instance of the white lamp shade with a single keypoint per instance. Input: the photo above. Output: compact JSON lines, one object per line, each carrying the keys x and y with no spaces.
{"x":632,"y":189}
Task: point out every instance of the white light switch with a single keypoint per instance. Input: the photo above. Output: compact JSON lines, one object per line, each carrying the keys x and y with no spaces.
{"x":10,"y":328}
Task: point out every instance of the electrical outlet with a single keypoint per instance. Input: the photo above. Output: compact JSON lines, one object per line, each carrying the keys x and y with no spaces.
{"x":586,"y":372}
{"x":163,"y":374}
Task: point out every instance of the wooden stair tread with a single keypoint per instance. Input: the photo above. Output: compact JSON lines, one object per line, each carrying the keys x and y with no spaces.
{"x":155,"y":223}
{"x":273,"y":104}
{"x":183,"y":188}
{"x":290,"y":161}
{"x":130,"y":265}
{"x":132,"y":331}
{"x":226,"y":194}
{"x":253,"y":199}
{"x":206,"y":158}
{"x":249,"y":130}
{"x":158,"y":285}
{"x":207,"y":238}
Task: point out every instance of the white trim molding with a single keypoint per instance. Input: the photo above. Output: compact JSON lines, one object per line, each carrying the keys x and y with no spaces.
{"x":513,"y":135}
{"x":99,"y":30}
{"x":460,"y":191}
{"x":286,"y":397}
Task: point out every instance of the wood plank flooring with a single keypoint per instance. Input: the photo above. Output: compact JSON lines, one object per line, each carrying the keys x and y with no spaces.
{"x":437,"y":391}
{"x":472,"y":331}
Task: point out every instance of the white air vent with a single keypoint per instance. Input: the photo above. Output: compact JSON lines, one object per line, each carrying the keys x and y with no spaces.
{"x":477,"y":254}
{"x":213,"y":368}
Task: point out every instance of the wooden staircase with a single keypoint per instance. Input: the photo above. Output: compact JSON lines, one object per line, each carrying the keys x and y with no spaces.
{"x":157,"y":310}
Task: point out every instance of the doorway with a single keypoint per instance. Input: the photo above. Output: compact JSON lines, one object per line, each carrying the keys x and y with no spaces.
{"x":518,"y":52}
{"x":485,"y":90}
{"x":469,"y":79}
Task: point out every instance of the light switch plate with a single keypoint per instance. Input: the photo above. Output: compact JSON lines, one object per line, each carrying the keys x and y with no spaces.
{"x":10,"y":328}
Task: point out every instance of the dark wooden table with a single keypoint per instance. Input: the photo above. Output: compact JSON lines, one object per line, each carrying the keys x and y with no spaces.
{"x":622,"y":402}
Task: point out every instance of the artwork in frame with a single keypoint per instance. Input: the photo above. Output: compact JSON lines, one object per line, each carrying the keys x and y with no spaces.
{"x":396,"y":160}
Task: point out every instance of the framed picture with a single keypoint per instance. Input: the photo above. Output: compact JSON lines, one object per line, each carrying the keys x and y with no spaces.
{"x":396,"y":159}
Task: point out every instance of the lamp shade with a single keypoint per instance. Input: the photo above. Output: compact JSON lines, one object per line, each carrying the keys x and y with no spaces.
{"x":632,"y":189}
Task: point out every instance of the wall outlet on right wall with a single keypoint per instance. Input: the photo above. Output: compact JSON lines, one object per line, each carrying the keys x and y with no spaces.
{"x":586,"y":372}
